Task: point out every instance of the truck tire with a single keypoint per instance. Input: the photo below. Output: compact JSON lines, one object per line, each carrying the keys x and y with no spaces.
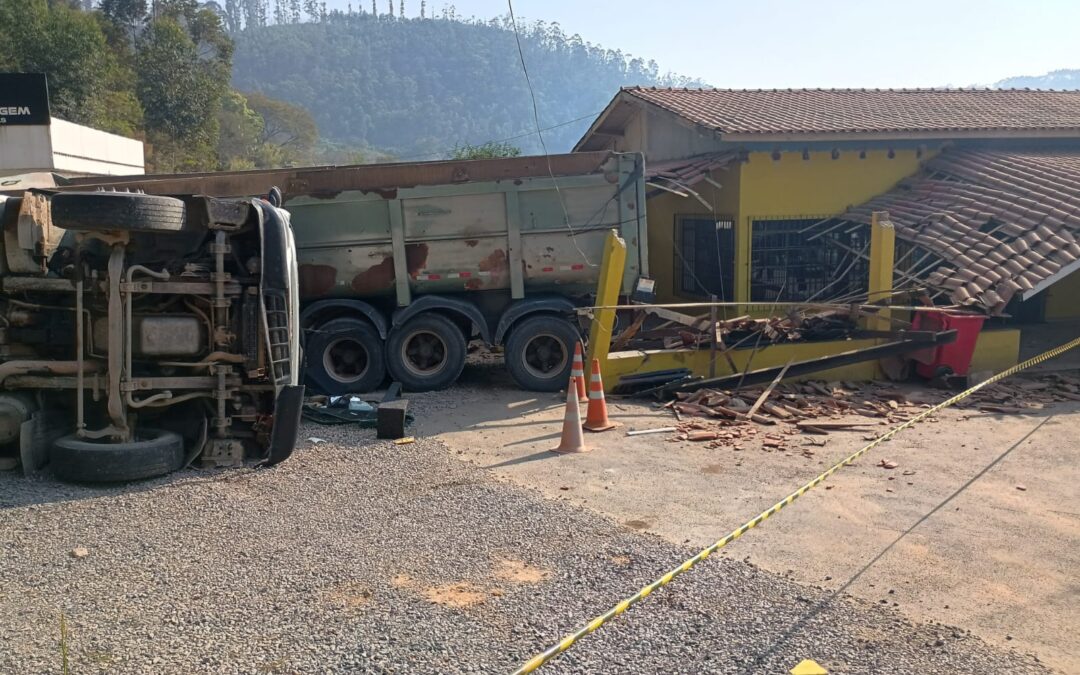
{"x":539,"y":352}
{"x":131,"y":212}
{"x":345,"y":356}
{"x":426,"y":353}
{"x":154,"y":452}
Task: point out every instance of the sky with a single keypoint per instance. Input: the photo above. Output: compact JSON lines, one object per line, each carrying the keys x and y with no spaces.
{"x":814,"y":43}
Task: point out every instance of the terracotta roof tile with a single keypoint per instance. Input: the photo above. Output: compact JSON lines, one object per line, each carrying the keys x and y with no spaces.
{"x":804,"y":111}
{"x":1004,"y":221}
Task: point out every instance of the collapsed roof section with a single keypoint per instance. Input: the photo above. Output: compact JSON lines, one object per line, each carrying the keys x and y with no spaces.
{"x":988,"y":225}
{"x":680,"y":175}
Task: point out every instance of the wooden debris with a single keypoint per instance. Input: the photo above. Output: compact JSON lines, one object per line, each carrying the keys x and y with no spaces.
{"x":769,"y":389}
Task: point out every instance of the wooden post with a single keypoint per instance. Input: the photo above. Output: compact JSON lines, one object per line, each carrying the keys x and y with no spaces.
{"x":607,"y":293}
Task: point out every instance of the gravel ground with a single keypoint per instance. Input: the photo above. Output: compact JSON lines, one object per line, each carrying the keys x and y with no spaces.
{"x":361,"y":556}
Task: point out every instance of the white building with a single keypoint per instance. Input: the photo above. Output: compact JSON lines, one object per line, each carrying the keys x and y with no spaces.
{"x":68,"y":150}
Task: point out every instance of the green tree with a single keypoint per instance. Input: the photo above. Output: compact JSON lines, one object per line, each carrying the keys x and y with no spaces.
{"x":287,"y":127}
{"x":490,"y":150}
{"x":125,"y":14}
{"x":64,"y":43}
{"x":181,"y":95}
{"x":240,"y":131}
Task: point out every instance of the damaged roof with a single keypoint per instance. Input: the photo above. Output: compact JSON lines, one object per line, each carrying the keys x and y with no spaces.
{"x":995,"y":223}
{"x":823,"y":114}
{"x":683,"y":173}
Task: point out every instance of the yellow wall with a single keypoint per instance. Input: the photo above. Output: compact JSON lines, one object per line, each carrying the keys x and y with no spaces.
{"x":625,"y":363}
{"x":766,"y":188}
{"x":996,"y":350}
{"x":1063,"y":299}
{"x":792,"y":187}
{"x":663,"y":210}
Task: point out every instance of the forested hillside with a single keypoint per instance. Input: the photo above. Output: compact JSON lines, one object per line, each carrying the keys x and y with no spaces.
{"x":1055,"y":79}
{"x":158,"y":73}
{"x":419,"y":87}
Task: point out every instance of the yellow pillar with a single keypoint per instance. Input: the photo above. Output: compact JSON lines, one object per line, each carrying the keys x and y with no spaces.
{"x":607,"y":293}
{"x":882,"y":260}
{"x":743,"y":235}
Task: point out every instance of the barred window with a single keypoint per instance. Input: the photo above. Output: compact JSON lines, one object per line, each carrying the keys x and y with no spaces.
{"x":705,"y":256}
{"x":800,"y":259}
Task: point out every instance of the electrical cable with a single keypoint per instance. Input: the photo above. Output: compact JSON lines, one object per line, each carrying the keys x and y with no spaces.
{"x":794,"y":628}
{"x":540,"y":134}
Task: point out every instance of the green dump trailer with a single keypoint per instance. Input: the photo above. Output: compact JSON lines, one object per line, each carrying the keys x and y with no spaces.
{"x":402,"y":265}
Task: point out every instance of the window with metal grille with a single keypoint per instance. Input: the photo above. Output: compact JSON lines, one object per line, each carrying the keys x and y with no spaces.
{"x":800,"y":259}
{"x":705,"y":256}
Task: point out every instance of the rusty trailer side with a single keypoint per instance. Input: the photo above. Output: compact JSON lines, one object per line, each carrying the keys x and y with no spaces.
{"x":422,"y":257}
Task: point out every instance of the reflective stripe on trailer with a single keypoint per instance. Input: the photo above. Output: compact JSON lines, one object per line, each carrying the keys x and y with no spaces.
{"x":429,"y":276}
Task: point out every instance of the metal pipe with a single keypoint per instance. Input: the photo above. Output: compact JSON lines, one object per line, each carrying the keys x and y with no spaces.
{"x":116,"y":342}
{"x":80,"y":414}
{"x":221,"y":394}
{"x":206,"y":319}
{"x":221,"y":317}
{"x":9,"y":368}
{"x":128,"y":302}
{"x":165,"y":398}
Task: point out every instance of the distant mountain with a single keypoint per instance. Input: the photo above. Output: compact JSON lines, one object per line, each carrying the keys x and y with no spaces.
{"x":1056,"y":79}
{"x":419,"y":87}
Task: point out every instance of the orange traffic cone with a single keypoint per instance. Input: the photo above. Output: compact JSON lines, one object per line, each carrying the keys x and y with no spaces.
{"x":572,"y":439}
{"x":596,"y":418}
{"x":577,"y":371}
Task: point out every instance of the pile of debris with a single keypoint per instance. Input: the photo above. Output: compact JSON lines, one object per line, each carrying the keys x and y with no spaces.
{"x":1026,"y":394}
{"x":659,"y":328}
{"x":724,"y":418}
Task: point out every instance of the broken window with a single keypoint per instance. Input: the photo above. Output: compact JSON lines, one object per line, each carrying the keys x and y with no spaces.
{"x":802,"y":259}
{"x":705,"y":256}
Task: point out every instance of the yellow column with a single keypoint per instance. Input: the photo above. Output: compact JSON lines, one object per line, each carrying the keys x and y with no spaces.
{"x":882,"y":260}
{"x":742,"y":261}
{"x":607,"y":293}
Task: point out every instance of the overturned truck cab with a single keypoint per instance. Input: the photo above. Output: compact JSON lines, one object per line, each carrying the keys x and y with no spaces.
{"x":142,"y":333}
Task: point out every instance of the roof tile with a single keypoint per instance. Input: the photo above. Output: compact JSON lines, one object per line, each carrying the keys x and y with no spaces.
{"x":1032,"y":198}
{"x":854,"y":111}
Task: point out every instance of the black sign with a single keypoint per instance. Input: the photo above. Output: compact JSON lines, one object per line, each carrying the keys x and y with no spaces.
{"x":24,"y":99}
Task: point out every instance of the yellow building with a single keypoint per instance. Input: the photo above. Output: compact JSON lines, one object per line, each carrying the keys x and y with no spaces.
{"x":758,"y":196}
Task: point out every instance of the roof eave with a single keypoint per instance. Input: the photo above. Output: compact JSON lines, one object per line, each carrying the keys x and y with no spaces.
{"x":936,"y":134}
{"x":594,"y":128}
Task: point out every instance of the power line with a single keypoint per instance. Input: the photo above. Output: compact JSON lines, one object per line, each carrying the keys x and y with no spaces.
{"x":540,"y":134}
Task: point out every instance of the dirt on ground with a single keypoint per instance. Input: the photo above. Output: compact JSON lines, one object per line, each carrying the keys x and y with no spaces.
{"x":968,"y":519}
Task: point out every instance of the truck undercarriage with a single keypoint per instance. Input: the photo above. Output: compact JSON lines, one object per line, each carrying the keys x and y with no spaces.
{"x":141,"y":333}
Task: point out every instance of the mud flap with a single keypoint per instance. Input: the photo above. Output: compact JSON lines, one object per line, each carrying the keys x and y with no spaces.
{"x":287,"y":409}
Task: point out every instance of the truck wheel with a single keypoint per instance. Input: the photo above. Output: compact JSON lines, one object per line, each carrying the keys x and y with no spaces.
{"x":539,"y":352}
{"x":127,"y":211}
{"x":426,"y":353}
{"x":345,"y":356}
{"x":154,"y":452}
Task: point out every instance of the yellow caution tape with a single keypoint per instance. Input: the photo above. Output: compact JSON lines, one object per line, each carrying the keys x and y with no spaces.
{"x":569,"y":641}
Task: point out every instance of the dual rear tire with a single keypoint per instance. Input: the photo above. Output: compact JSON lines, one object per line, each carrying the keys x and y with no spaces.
{"x":347,"y":356}
{"x":427,"y":353}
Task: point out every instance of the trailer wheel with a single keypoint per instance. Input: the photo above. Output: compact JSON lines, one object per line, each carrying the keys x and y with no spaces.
{"x":539,"y":352}
{"x":426,"y":353}
{"x":345,"y":356}
{"x":154,"y":452}
{"x":131,"y":212}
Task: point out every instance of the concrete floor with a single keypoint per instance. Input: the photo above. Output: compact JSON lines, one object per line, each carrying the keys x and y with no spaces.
{"x":995,"y":559}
